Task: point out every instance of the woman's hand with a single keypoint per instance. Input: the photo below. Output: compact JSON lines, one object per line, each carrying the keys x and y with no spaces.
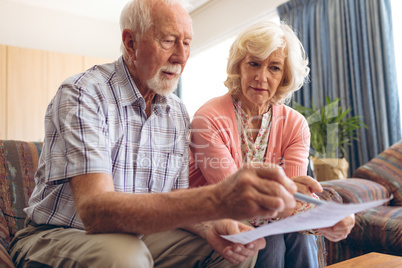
{"x":307,"y":185}
{"x":339,"y":231}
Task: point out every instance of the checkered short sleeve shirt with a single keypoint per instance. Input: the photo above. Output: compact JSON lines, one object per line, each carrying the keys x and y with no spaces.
{"x":96,"y":123}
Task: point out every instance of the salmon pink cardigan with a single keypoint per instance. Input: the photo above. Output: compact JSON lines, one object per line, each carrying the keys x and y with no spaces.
{"x":215,"y":150}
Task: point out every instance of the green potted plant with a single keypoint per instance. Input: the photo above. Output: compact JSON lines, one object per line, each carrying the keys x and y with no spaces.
{"x":331,"y":131}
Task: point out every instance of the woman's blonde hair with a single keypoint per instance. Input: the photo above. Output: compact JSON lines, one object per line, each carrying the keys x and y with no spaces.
{"x":260,"y":40}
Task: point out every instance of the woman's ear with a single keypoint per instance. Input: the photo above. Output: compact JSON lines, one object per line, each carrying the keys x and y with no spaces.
{"x":129,"y":42}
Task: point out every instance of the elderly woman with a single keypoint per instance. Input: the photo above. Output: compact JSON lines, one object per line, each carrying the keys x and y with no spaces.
{"x":250,"y":123}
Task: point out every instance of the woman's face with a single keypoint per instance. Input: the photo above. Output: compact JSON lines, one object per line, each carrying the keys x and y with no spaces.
{"x":261,"y":78}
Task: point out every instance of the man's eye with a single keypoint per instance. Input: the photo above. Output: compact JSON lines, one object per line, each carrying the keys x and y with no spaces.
{"x":167,"y":43}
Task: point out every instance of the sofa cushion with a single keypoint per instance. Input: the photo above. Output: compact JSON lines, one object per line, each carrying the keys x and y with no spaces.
{"x":386,"y":169}
{"x":4,"y":232}
{"x":5,"y":260}
{"x":379,"y":229}
{"x":358,"y":190}
{"x":18,"y":164}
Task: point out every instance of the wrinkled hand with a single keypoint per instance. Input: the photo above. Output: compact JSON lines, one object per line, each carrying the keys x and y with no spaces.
{"x":257,"y":189}
{"x":305,"y":185}
{"x":339,"y":231}
{"x":234,"y":253}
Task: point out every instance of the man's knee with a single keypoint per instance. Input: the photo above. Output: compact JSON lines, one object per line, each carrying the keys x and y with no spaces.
{"x":118,"y":250}
{"x":60,"y":247}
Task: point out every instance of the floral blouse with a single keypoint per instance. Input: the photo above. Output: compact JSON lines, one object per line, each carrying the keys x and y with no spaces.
{"x":254,"y":151}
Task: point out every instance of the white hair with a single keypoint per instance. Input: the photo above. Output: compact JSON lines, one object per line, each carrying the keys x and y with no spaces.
{"x":137,"y":16}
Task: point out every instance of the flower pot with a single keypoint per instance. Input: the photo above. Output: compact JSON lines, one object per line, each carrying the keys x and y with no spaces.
{"x":326,"y":169}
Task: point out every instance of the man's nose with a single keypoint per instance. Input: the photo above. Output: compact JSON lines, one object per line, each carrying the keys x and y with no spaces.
{"x":180,"y":54}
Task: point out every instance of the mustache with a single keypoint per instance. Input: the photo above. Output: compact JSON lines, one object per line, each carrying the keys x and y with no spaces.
{"x":172,"y":68}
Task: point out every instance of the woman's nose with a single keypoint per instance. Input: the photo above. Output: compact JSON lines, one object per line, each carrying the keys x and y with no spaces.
{"x":262,"y":75}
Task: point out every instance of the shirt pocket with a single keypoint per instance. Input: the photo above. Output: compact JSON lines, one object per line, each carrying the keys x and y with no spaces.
{"x":162,"y":168}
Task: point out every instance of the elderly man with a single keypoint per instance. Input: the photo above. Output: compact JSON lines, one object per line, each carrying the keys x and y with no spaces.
{"x":115,"y":156}
{"x":111,"y":186}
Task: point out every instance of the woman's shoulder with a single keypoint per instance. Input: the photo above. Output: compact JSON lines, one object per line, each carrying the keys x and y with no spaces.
{"x":287,"y":113}
{"x":216,"y":105}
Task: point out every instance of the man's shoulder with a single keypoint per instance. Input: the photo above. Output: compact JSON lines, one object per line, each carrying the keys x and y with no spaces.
{"x":97,"y":74}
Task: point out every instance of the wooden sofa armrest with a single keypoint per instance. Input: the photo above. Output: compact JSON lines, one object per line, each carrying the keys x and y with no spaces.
{"x":358,"y":190}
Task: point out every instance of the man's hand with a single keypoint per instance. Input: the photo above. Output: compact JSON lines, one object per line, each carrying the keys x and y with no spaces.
{"x":255,"y":190}
{"x":234,"y":253}
{"x":339,"y":231}
{"x":305,"y":185}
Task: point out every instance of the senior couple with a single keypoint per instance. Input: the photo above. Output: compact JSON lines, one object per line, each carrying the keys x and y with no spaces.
{"x":113,"y":177}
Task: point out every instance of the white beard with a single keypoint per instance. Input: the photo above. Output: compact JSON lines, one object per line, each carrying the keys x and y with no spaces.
{"x":160,"y":84}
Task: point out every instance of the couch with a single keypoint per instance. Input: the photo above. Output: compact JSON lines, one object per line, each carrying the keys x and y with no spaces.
{"x":18,"y":164}
{"x":19,"y":161}
{"x":378,"y":229}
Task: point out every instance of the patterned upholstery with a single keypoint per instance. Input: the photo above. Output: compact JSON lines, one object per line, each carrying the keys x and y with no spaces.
{"x":386,"y":169}
{"x":358,"y":190}
{"x":18,"y":164}
{"x":378,"y":229}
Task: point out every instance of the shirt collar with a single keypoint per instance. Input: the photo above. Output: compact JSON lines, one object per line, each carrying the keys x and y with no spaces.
{"x":130,"y":93}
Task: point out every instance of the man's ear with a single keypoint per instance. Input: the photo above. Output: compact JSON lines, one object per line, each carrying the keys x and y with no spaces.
{"x":129,"y":42}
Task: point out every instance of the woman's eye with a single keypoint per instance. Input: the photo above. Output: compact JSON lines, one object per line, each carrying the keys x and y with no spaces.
{"x":275,"y":68}
{"x":253,"y":64}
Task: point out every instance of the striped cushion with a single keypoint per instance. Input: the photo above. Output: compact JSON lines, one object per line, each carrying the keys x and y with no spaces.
{"x":386,"y":169}
{"x":357,"y":190}
{"x":5,"y":238}
{"x":18,"y":164}
{"x":380,"y":229}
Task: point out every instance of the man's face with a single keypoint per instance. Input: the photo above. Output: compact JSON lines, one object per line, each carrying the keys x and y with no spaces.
{"x":163,"y":50}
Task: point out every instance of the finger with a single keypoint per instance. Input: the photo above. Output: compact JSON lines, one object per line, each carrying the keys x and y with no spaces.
{"x":346,"y":224}
{"x":240,"y":253}
{"x":272,"y":172}
{"x":233,"y":228}
{"x":333,"y":236}
{"x":257,"y":244}
{"x":309,"y":183}
{"x":274,"y":196}
{"x":233,"y":257}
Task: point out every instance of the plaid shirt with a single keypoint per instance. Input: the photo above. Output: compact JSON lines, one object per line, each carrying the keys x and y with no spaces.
{"x":96,"y":123}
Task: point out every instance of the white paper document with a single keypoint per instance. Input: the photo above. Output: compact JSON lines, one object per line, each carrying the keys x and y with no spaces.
{"x":321,"y":216}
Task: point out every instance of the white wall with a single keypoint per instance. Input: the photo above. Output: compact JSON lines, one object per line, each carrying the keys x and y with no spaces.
{"x":219,"y":19}
{"x":32,"y":27}
{"x":38,"y":28}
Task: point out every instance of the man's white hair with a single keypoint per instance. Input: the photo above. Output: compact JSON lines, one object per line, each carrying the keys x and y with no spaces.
{"x":137,"y":16}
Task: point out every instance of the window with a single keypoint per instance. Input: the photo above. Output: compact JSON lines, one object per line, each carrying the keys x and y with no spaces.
{"x":204,"y":76}
{"x":396,"y":21}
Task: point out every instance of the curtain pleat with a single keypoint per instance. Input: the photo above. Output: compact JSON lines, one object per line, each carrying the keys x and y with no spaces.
{"x":351,"y":53}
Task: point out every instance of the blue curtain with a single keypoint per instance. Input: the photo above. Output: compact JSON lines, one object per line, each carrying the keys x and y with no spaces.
{"x":351,"y":53}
